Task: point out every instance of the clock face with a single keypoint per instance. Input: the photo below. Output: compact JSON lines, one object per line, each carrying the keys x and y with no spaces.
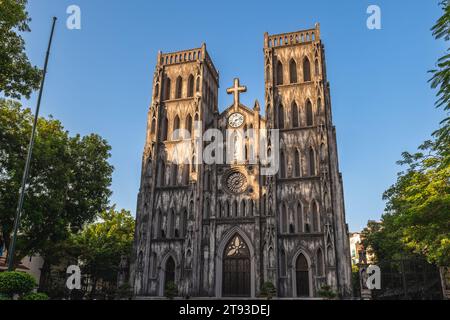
{"x":236,"y":120}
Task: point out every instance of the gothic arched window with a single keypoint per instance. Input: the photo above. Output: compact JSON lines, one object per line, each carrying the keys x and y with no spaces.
{"x":186,"y":173}
{"x":297,"y":167}
{"x":292,"y":71}
{"x":165,"y":129}
{"x":306,"y":70}
{"x":169,"y":272}
{"x":171,"y":225}
{"x":295,"y":119}
{"x":197,"y":85}
{"x":312,"y":162}
{"x":299,"y":218}
{"x":309,"y":114}
{"x":243,"y":209}
{"x":319,"y":105}
{"x":167,"y":89}
{"x":235,"y":208}
{"x":281,"y":116}
{"x":179,"y":87}
{"x":315,"y":217}
{"x":176,"y":128}
{"x":153,"y":128}
{"x":155,"y":94}
{"x":279,"y":73}
{"x":282,"y":165}
{"x":284,"y":218}
{"x":188,"y":125}
{"x":316,"y":64}
{"x":191,"y":86}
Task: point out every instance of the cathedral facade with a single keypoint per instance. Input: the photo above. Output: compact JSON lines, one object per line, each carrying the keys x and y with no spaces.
{"x":226,"y":227}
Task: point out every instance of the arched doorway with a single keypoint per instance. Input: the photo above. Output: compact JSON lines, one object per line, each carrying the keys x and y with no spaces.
{"x":302,"y":276}
{"x":236,"y":269}
{"x":169,"y":272}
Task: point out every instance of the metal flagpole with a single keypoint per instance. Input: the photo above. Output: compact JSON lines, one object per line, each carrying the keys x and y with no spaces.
{"x":12,"y":247}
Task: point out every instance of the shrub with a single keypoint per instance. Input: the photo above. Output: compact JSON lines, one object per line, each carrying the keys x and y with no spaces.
{"x":327,"y":292}
{"x":3,"y":297}
{"x":35,"y":296}
{"x":171,"y":290}
{"x":268,"y":290}
{"x":12,"y":283}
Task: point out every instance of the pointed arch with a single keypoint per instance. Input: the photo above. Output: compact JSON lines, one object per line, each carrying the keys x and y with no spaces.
{"x":190,"y":86}
{"x":319,"y":105}
{"x":174,"y":174}
{"x":282,"y":165}
{"x":316,"y":67}
{"x":295,"y":115}
{"x":297,"y":164}
{"x":219,"y":209}
{"x":188,"y":125}
{"x":220,"y":253}
{"x":179,"y":88}
{"x":153,"y":126}
{"x":315,"y":216}
{"x":309,"y":114}
{"x":299,"y":217}
{"x":176,"y":128}
{"x":280,"y":116}
{"x":184,"y":223}
{"x":165,"y":128}
{"x":186,"y":173}
{"x":235,"y":209}
{"x":243,"y":209}
{"x":312,"y":162}
{"x":284,"y":218}
{"x":302,"y":274}
{"x":279,"y":73}
{"x":306,"y":70}
{"x":167,"y":89}
{"x":171,"y":224}
{"x":292,"y":71}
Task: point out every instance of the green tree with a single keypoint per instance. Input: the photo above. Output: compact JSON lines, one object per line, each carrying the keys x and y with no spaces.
{"x":17,"y":76}
{"x":68,"y":183}
{"x":441,"y":75}
{"x":418,"y":205}
{"x":417,"y":217}
{"x":101,"y":245}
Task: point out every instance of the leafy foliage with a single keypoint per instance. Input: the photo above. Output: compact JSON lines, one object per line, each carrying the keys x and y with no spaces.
{"x":171,"y":290}
{"x":417,"y":215}
{"x":101,"y":245}
{"x":268,"y":290}
{"x":441,"y":75}
{"x":12,"y":283}
{"x":35,"y":296}
{"x":68,"y":183}
{"x":17,"y":77}
{"x":327,"y":292}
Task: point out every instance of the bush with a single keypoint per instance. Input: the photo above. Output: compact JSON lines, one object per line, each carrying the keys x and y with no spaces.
{"x":35,"y":296}
{"x":171,"y":290}
{"x":268,"y":290}
{"x":12,"y":283}
{"x":4,"y":298}
{"x":327,"y":292}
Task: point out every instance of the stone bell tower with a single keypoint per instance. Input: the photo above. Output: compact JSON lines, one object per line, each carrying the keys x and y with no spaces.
{"x":169,"y":209}
{"x":306,"y":195}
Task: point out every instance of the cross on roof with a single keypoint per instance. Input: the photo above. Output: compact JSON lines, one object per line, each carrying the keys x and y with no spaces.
{"x":236,"y":91}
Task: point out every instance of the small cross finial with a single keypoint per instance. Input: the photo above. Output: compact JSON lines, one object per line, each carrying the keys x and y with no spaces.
{"x":236,"y":91}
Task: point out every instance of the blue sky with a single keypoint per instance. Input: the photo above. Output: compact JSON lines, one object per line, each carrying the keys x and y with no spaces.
{"x":100,"y":77}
